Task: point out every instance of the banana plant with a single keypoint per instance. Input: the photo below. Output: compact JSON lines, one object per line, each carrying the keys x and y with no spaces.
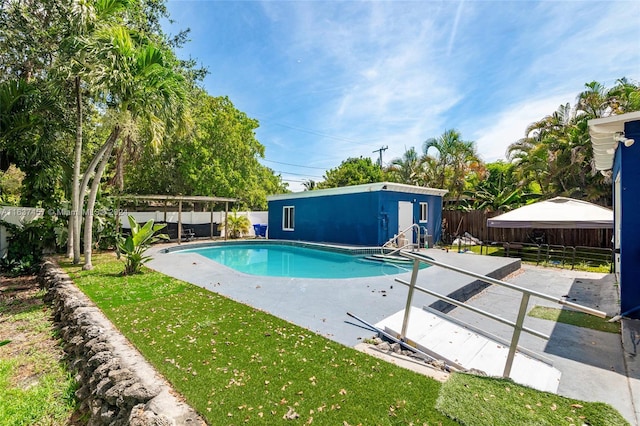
{"x":133,"y":247}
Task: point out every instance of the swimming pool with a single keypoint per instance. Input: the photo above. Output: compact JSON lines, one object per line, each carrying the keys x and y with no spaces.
{"x":279,"y":260}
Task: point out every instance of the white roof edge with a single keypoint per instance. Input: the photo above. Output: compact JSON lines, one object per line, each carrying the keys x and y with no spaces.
{"x":576,"y":201}
{"x":614,"y":119}
{"x":355,"y":189}
{"x":601,"y":131}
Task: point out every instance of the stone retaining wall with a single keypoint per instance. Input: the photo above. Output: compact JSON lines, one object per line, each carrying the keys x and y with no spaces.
{"x":117,"y":385}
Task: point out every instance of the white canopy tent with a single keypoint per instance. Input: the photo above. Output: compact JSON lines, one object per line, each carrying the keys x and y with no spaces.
{"x":556,"y":213}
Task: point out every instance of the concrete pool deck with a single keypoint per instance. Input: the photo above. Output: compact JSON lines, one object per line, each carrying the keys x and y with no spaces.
{"x":321,"y":305}
{"x":595,"y":366}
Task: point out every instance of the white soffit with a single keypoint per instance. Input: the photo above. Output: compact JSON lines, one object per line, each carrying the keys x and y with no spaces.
{"x":602,"y":131}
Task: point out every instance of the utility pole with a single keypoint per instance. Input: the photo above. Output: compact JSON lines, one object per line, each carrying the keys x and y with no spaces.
{"x":382,"y":148}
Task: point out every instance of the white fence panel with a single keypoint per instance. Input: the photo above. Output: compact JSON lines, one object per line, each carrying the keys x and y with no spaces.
{"x":192,"y":218}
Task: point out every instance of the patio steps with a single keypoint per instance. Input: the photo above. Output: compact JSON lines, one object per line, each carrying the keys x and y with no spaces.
{"x":390,"y":258}
{"x":465,"y":347}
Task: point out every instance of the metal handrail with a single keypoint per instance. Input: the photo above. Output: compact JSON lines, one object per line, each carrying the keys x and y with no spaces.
{"x":399,"y":249}
{"x":517,"y":326}
{"x":414,"y":227}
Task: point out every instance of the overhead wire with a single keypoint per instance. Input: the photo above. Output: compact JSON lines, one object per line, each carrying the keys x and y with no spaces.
{"x":314,"y":132}
{"x":297,"y":174}
{"x":295,"y":165}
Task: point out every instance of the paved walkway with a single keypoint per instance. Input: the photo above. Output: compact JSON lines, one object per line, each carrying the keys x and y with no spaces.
{"x":594,"y":365}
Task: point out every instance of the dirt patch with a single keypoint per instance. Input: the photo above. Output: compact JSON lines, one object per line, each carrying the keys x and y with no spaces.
{"x":27,"y":337}
{"x":18,"y":294}
{"x":20,"y":297}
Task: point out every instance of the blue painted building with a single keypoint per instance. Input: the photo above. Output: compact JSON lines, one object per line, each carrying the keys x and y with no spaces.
{"x":616,"y":151}
{"x":363,"y":215}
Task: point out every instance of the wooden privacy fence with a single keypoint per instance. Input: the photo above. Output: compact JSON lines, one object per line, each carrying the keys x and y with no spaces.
{"x":456,"y":223}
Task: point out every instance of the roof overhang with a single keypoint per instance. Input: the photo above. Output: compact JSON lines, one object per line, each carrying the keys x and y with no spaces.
{"x":355,"y":189}
{"x":605,"y":134}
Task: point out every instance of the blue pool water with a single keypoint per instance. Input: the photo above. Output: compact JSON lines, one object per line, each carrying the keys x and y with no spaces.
{"x":276,"y":260}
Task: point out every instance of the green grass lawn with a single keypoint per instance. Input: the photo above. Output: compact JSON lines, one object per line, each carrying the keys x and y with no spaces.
{"x":475,"y":400}
{"x":235,"y":364}
{"x":579,"y":319}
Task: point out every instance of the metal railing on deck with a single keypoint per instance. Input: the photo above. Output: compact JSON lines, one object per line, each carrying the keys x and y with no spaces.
{"x":518,"y":325}
{"x":553,"y":254}
{"x":397,"y":242}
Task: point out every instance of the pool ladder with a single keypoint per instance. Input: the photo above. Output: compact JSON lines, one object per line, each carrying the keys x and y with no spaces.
{"x":396,"y":244}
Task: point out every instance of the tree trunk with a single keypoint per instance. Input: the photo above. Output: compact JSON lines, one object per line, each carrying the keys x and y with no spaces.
{"x":70,"y":228}
{"x":82,"y":189}
{"x":92,"y":166}
{"x":93,"y":193}
{"x":118,"y":177}
{"x":73,"y":245}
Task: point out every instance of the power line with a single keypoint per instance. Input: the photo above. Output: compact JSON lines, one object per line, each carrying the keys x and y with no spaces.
{"x":295,"y":165}
{"x":316,"y":132}
{"x":298,"y":174}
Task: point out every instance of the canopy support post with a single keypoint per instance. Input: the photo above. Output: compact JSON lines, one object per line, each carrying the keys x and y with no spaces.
{"x":212,"y":204}
{"x":226,"y":223}
{"x":179,"y":221}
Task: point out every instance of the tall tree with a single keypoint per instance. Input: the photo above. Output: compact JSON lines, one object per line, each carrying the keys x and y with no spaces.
{"x":405,"y":169}
{"x":143,"y":92}
{"x":499,"y":190}
{"x":456,"y":159}
{"x":557,"y":152}
{"x":33,"y":107}
{"x":87,"y":21}
{"x":352,"y":171}
{"x":219,"y":158}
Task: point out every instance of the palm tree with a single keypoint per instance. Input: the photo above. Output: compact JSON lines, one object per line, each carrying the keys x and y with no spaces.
{"x":405,"y":169}
{"x":456,"y":160}
{"x":144,"y":93}
{"x":87,"y":20}
{"x":624,"y":97}
{"x":237,"y":225}
{"x":593,"y":101}
{"x":310,"y":185}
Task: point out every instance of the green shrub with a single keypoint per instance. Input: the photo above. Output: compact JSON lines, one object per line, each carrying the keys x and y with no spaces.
{"x":237,"y":226}
{"x":26,"y":243}
{"x":132,"y":247}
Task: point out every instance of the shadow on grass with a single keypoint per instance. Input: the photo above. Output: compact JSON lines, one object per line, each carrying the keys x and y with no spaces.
{"x":19,"y":295}
{"x":586,"y":345}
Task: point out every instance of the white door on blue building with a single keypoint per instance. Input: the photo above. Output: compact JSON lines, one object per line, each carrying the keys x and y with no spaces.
{"x":405,"y":219}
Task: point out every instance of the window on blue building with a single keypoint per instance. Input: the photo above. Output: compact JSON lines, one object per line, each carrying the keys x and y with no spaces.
{"x":287,"y":218}
{"x":424,"y":212}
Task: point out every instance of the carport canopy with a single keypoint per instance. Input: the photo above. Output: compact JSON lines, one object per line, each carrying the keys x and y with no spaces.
{"x":179,"y":199}
{"x":556,"y":213}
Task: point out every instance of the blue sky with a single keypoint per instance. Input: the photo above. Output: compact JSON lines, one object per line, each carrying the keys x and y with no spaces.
{"x":329,"y":80}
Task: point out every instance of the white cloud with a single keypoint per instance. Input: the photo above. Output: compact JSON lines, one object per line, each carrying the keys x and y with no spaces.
{"x":493,"y":139}
{"x":392,"y":92}
{"x":350,"y":77}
